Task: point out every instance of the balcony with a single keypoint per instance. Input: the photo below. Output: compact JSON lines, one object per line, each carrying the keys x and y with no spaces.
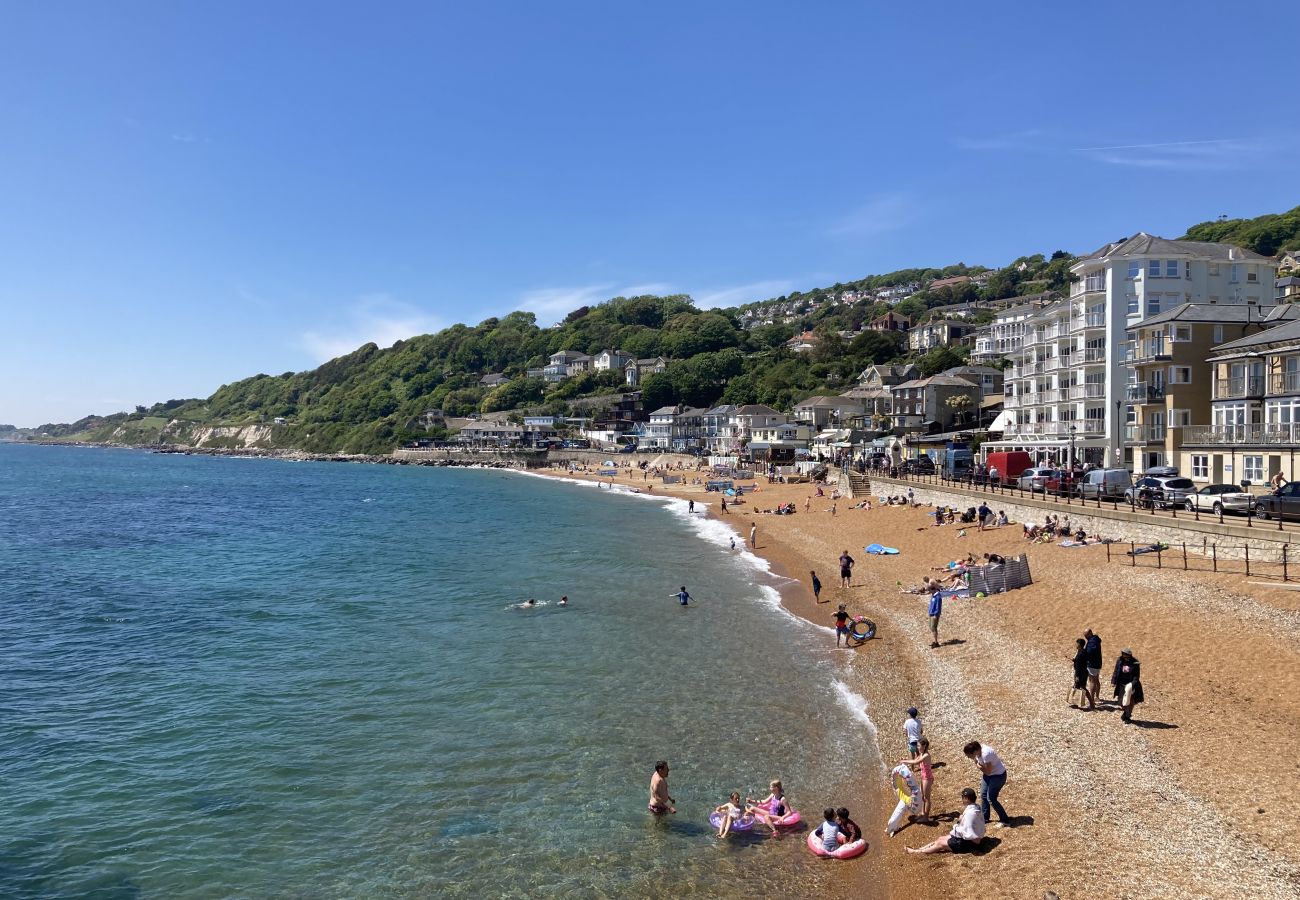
{"x":1151,"y":351}
{"x":1145,"y":434}
{"x":1239,"y":388}
{"x":1284,"y":383}
{"x":1086,"y":392}
{"x":1094,"y":355}
{"x":1242,"y":436}
{"x":1145,"y":393}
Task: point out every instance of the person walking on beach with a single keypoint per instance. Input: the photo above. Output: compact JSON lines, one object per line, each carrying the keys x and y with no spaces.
{"x":913,"y":729}
{"x":1127,"y":680}
{"x":816,"y":586}
{"x":984,"y":515}
{"x":660,"y":801}
{"x":994,"y":778}
{"x":965,"y":836}
{"x":1080,"y":670}
{"x":690,"y":506}
{"x":936,"y":610}
{"x":841,"y":626}
{"x":753,"y":536}
{"x":1092,"y":644}
{"x":846,"y":569}
{"x":682,"y":597}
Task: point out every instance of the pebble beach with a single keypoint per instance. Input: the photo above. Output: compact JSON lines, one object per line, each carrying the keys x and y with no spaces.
{"x":1192,"y":799}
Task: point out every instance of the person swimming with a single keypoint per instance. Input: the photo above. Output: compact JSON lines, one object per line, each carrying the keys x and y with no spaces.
{"x":564,"y":601}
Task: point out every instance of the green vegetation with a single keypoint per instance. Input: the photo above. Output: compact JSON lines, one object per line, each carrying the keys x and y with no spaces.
{"x":1269,"y":235}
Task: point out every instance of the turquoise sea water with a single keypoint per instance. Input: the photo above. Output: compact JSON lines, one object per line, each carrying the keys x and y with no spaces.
{"x":255,"y":678}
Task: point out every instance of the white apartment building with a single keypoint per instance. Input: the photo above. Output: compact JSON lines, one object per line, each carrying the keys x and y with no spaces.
{"x":1004,"y":336}
{"x":1068,"y":387}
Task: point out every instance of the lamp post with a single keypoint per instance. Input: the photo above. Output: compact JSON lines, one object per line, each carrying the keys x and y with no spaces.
{"x":1070,"y":463}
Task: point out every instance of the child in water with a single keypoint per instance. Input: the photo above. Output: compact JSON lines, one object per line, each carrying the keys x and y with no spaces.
{"x":922,"y":762}
{"x":771,"y":808}
{"x":848,"y":827}
{"x":730,"y":812}
{"x":829,"y":831}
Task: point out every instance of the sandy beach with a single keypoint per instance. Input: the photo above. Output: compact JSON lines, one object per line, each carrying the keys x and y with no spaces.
{"x":1188,"y":800}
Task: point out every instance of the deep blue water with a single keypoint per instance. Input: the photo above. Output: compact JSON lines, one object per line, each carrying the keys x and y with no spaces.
{"x":255,"y":678}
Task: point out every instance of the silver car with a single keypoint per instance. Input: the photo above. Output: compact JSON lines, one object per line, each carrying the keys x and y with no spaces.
{"x":1164,"y":490}
{"x":1221,"y":498}
{"x":1035,"y":479}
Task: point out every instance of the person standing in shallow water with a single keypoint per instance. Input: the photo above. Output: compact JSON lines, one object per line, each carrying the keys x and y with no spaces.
{"x":660,"y":800}
{"x":816,"y":587}
{"x":753,"y":535}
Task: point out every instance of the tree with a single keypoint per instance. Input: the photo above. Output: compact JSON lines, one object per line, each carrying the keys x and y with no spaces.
{"x":657,"y":391}
{"x":960,"y":404}
{"x":937,"y":360}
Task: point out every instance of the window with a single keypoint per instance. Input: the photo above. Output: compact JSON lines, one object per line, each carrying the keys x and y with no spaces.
{"x":1252,"y":275}
{"x":1218,"y":334}
{"x":1171,"y":268}
{"x":1182,"y":333}
{"x":1235,"y":273}
{"x":1134,"y":269}
{"x":1153,"y":269}
{"x":1254,"y":468}
{"x":1200,"y":465}
{"x":1153,"y":304}
{"x":1214,"y":268}
{"x":1180,"y":418}
{"x":1133,"y":308}
{"x":1180,"y":374}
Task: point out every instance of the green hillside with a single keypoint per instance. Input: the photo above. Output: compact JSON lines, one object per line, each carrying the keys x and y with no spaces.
{"x":1269,"y":235}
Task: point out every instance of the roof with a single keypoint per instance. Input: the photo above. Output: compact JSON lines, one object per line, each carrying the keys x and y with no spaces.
{"x":972,"y":370}
{"x":1287,"y":332}
{"x":1143,"y":244}
{"x":823,"y":400}
{"x":756,"y":409}
{"x":1235,"y":313}
{"x":665,"y":411}
{"x":937,"y":381}
{"x":861,"y":393}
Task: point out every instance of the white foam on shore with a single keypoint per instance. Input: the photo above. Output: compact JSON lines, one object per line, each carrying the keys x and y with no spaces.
{"x":856,"y":704}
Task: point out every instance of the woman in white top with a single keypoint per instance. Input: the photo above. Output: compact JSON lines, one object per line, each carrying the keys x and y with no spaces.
{"x":993,"y":780}
{"x":965,"y":836}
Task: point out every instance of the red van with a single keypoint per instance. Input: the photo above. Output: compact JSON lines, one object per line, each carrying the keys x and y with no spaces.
{"x":1009,"y":463}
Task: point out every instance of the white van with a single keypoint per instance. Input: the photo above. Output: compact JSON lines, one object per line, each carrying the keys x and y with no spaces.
{"x":1105,"y":484}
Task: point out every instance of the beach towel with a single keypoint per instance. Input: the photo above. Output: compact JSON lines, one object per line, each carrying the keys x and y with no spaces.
{"x":880,"y":550}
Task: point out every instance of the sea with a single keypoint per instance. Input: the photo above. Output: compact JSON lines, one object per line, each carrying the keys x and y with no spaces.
{"x":229,"y":677}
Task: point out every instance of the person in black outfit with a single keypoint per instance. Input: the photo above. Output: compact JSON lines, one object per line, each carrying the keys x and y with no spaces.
{"x":1128,"y":671}
{"x":1080,"y":668}
{"x":1093,"y":646}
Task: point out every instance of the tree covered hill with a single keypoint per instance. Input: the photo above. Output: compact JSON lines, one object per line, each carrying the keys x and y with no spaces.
{"x":1268,"y":234}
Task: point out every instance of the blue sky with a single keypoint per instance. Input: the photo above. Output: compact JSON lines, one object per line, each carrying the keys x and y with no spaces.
{"x":193,"y":193}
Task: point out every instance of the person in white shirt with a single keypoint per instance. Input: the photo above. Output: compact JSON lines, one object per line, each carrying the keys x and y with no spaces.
{"x":965,"y":836}
{"x":912,"y":726}
{"x":994,"y":778}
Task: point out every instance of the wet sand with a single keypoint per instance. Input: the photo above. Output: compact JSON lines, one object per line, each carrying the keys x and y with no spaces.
{"x":1195,"y":799}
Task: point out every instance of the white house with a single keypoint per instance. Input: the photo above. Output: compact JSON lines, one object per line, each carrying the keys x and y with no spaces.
{"x":659,"y":431}
{"x":558,"y":367}
{"x":719,"y":432}
{"x":755,"y":415}
{"x":606,"y":360}
{"x":820,"y":411}
{"x":636,"y":369}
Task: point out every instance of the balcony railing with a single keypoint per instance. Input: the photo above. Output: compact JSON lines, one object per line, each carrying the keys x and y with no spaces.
{"x":1149,"y":351}
{"x":1235,"y":388}
{"x":1242,"y":435}
{"x":1284,"y":383}
{"x":1145,"y":393}
{"x":1086,"y":392}
{"x":1094,"y":355}
{"x":1145,"y":434}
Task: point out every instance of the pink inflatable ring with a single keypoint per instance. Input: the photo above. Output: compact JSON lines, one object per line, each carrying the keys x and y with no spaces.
{"x":844,"y":851}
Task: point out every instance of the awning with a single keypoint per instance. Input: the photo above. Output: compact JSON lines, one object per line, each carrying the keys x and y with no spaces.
{"x":1005,"y":418}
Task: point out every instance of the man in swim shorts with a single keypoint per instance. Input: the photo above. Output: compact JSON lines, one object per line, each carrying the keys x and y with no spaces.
{"x":846,"y":569}
{"x":816,"y":587}
{"x":936,"y":610}
{"x":660,"y":801}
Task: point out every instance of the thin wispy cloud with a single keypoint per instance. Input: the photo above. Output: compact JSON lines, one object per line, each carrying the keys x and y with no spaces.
{"x":881,"y":215}
{"x":1218,"y":153}
{"x":374,"y":317}
{"x":743,"y":293}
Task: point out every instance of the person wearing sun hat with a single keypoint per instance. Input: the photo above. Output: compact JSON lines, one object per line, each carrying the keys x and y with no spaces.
{"x":1127,"y":680}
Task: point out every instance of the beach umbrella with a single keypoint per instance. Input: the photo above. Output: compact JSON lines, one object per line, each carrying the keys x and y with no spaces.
{"x":608,"y":462}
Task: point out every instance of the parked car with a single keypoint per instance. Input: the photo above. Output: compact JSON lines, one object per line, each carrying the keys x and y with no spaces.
{"x":1035,"y":479}
{"x":1105,"y":484}
{"x":920,"y":465}
{"x":1063,"y":482}
{"x":1163,"y":490}
{"x":1221,"y":498}
{"x":1284,"y":503}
